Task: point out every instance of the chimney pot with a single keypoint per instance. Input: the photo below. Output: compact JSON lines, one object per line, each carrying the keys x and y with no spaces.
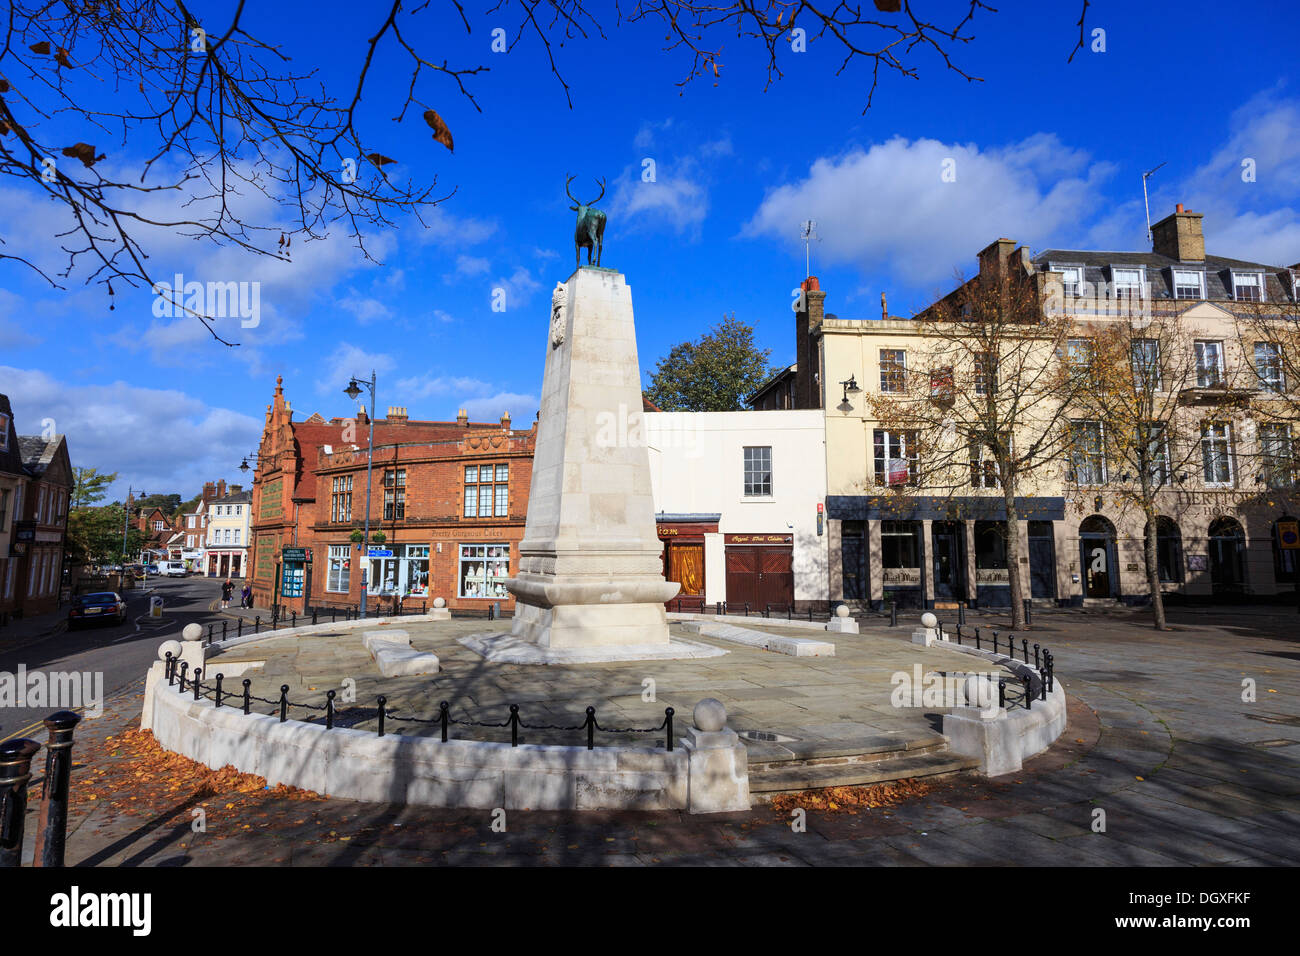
{"x":462,"y":418}
{"x":1179,"y":236}
{"x":1179,"y":207}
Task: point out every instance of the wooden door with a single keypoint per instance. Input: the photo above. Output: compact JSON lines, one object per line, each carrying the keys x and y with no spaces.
{"x":742,"y":576}
{"x":686,"y":567}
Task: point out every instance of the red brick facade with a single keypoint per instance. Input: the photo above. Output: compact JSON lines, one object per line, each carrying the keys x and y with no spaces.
{"x":309,"y":492}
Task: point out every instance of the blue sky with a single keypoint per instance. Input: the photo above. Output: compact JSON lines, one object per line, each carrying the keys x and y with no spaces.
{"x":1045,"y":153}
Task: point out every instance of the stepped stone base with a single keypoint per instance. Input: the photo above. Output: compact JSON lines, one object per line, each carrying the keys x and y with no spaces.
{"x":509,"y":649}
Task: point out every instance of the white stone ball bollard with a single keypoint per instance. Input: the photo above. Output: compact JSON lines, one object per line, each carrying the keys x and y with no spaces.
{"x":980,"y":691}
{"x":710,"y":715}
{"x":192,"y":632}
{"x":929,"y":620}
{"x":842,"y":611}
{"x":172,"y":647}
{"x":439,"y":602}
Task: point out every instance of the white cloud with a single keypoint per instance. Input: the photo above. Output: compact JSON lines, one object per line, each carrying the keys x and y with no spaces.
{"x":423,"y":386}
{"x":161,"y":439}
{"x":366,"y":308}
{"x":888,"y":208}
{"x":519,"y":287}
{"x":522,"y":408}
{"x":337,"y":368}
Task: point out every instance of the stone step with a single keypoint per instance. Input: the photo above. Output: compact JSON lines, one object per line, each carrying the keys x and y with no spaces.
{"x":837,"y":757}
{"x":795,"y":776}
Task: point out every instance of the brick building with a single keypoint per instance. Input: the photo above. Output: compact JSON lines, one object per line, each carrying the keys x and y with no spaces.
{"x":449,"y":499}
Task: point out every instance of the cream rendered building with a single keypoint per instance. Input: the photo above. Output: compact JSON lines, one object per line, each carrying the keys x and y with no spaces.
{"x":1227,"y":506}
{"x":226,"y":543}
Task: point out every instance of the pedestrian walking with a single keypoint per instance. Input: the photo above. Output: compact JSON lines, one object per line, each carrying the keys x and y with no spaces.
{"x":227,"y":591}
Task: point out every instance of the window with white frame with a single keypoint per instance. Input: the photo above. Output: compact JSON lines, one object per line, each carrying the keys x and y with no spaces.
{"x":895,"y":457}
{"x":482,"y":497}
{"x":1209,"y":364}
{"x":983,"y":467}
{"x":1071,"y":279}
{"x":340,"y":568}
{"x":893,"y":370}
{"x":484,"y":569}
{"x":1155,"y":452}
{"x":1268,"y":365}
{"x":238,"y":533}
{"x":1216,"y":453}
{"x":1189,"y":284}
{"x":758,"y":471}
{"x":395,"y":494}
{"x":1277,"y":465}
{"x":1248,"y":286}
{"x":1087,"y":456}
{"x":1127,"y":283}
{"x":986,"y":373}
{"x":1079,"y":355}
{"x":1145,"y":356}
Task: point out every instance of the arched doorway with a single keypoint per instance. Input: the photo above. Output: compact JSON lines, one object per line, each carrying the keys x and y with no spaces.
{"x":1097,"y":558}
{"x":1227,"y":555}
{"x":1286,"y":541}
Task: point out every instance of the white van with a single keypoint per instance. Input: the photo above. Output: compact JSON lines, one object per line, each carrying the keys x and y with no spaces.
{"x":172,"y":569}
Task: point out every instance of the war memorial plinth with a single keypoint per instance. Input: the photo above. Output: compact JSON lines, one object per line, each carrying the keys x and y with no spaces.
{"x":590,"y":586}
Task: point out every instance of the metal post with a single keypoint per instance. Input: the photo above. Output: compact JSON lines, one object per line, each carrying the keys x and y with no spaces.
{"x":313,"y":616}
{"x":961,"y":612}
{"x":668,"y":720}
{"x":218,"y":698}
{"x":239,"y":629}
{"x":54,"y":800}
{"x":185,"y":667}
{"x":1029,"y":696}
{"x":977,"y":638}
{"x":591,"y":727}
{"x":443,"y":717}
{"x":329,"y":710}
{"x":1029,"y":612}
{"x":383,"y":702}
{"x":198,"y":672}
{"x":514,"y":725}
{"x":247,"y":695}
{"x":15,"y":771}
{"x":257,"y":624}
{"x":284,"y":702}
{"x":223,"y":631}
{"x":1024,"y":646}
{"x":1002,"y":692}
{"x":893,"y":614}
{"x":295,"y":619}
{"x":169,"y":668}
{"x":1036,"y":655}
{"x":370,"y":459}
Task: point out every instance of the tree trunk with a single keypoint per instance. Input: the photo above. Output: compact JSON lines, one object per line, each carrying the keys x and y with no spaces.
{"x":1013,"y":558}
{"x":1153,"y":568}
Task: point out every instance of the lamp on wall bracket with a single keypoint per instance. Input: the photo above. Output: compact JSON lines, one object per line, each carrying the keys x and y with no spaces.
{"x":850,"y":385}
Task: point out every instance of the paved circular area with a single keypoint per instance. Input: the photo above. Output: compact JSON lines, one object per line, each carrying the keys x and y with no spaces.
{"x":842,"y":698}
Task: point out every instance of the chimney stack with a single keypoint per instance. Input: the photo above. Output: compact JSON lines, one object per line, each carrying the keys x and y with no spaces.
{"x":993,"y":258}
{"x":209,"y":489}
{"x":505,"y":421}
{"x":1179,"y":236}
{"x":807,"y":327}
{"x":884,"y":309}
{"x":462,"y":418}
{"x":236,"y":489}
{"x":221,"y":488}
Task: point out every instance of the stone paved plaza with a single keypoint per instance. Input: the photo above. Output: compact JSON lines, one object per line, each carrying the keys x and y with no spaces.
{"x":841,"y":698}
{"x":1159,"y":738}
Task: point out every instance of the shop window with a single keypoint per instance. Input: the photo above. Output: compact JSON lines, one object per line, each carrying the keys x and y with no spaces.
{"x":484,"y":569}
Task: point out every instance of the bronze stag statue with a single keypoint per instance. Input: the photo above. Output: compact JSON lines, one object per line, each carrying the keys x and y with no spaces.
{"x":589,"y":232}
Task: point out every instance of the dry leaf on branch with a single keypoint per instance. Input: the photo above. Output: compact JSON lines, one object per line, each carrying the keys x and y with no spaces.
{"x":379,"y":159}
{"x":84,"y":152}
{"x":41,"y":47}
{"x":61,"y":57}
{"x":440,"y":132}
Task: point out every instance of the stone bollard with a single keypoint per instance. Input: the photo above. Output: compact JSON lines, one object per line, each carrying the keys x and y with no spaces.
{"x":841,"y":622}
{"x":928,"y":632}
{"x":155,"y":676}
{"x":717,"y":762}
{"x":192,"y":645}
{"x":440,"y":611}
{"x":15,"y":770}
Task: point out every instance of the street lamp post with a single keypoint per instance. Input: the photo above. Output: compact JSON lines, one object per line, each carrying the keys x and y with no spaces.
{"x":126,"y":520}
{"x":352,"y":391}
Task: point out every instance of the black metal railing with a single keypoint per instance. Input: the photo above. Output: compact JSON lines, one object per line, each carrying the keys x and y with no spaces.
{"x":16,"y":757}
{"x":1035,"y":681}
{"x":178,"y":670}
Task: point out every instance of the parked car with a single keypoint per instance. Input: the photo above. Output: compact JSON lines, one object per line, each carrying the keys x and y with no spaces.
{"x":97,"y":606}
{"x":172,"y":569}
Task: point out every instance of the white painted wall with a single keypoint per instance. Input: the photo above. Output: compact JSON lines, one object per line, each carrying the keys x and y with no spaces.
{"x":697,"y":466}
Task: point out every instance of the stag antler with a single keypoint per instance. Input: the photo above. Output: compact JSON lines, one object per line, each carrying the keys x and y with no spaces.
{"x":570,"y":195}
{"x":602,"y":193}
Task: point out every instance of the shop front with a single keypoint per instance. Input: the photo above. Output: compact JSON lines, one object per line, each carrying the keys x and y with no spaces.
{"x":760,"y":570}
{"x":683,"y":540}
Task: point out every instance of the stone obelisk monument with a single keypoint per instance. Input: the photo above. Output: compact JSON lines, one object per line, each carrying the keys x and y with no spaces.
{"x":590,"y":566}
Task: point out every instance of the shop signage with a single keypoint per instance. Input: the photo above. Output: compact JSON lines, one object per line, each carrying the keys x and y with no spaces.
{"x":758,"y":539}
{"x":380,"y":553}
{"x":1288,"y":535}
{"x":294,"y":554}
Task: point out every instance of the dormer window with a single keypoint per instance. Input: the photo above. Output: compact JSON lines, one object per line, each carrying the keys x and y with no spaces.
{"x":1189,"y":284}
{"x":1248,"y":286}
{"x":1071,"y":278}
{"x":1127,"y":282}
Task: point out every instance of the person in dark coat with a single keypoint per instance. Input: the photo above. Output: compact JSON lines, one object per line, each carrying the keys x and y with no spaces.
{"x":227,"y":591}
{"x":246,"y":596}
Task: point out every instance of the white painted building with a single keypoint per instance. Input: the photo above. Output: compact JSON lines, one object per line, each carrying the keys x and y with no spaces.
{"x":737,"y":498}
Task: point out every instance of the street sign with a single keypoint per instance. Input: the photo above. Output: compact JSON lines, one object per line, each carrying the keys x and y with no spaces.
{"x":293,"y":554}
{"x":380,"y":553}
